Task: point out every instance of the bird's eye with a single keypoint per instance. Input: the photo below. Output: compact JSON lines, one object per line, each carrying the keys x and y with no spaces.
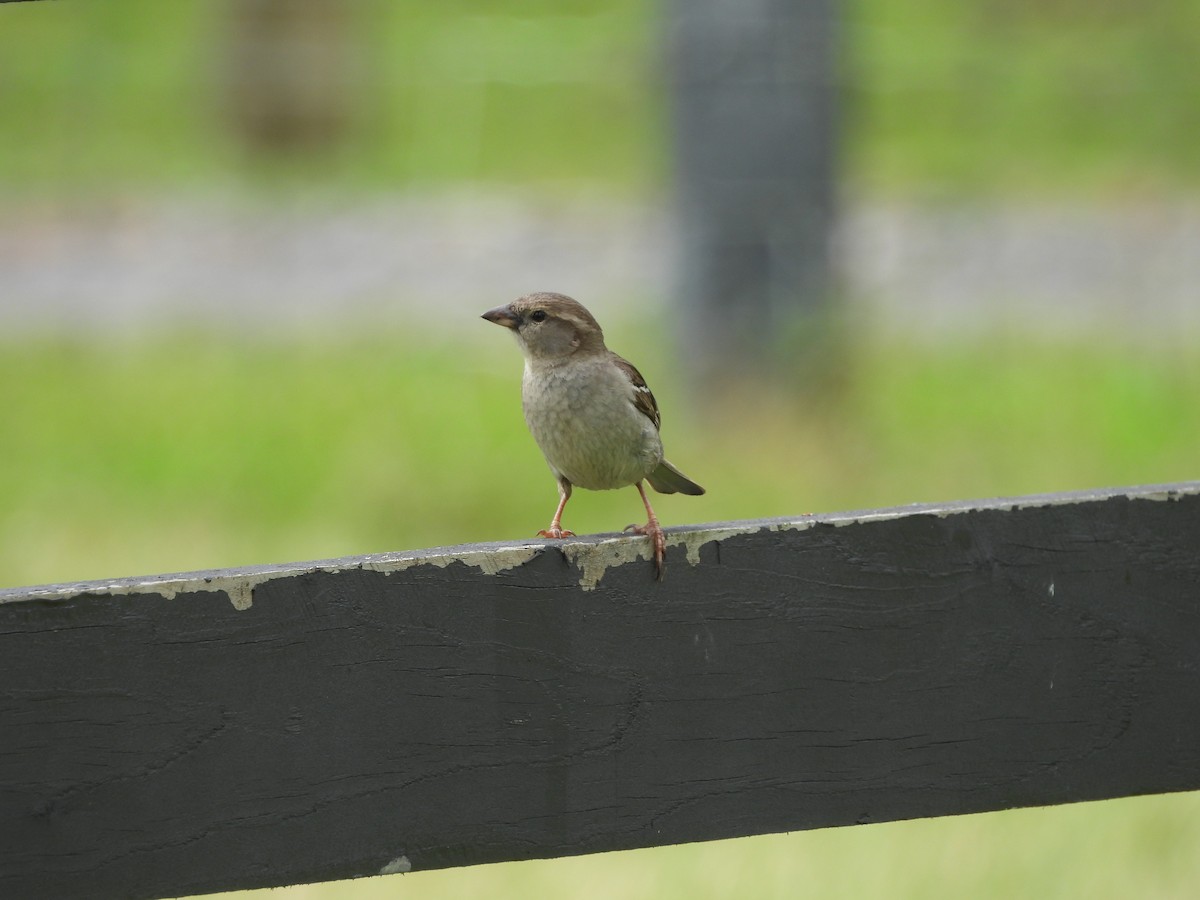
{"x":538,"y":315}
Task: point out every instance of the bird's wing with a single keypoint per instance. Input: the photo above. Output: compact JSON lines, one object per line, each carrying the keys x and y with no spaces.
{"x":643,"y":399}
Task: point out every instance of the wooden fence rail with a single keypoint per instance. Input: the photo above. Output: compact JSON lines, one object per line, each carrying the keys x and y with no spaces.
{"x":274,"y":725}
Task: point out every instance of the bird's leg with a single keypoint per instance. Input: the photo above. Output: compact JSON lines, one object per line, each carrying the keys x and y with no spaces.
{"x":556,"y":530}
{"x":653,"y":531}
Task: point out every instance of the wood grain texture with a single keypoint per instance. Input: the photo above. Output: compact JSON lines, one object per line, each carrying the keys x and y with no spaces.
{"x":443,"y":709}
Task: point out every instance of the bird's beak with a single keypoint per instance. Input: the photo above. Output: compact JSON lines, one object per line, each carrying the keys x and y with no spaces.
{"x":502,"y":315}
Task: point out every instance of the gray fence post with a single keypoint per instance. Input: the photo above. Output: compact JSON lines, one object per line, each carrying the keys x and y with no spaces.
{"x":754,"y":108}
{"x":285,"y":68}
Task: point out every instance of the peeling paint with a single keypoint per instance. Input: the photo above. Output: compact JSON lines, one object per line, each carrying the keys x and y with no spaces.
{"x":592,"y":556}
{"x":489,"y":562}
{"x":241,"y":595}
{"x":692,"y":541}
{"x":593,"y":559}
{"x":1159,"y":495}
{"x":397,"y":866}
{"x":239,"y":589}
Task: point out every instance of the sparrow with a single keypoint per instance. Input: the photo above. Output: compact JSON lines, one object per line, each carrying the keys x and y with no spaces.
{"x":589,"y":410}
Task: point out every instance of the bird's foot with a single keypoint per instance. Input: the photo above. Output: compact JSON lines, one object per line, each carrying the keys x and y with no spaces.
{"x":555,"y":533}
{"x":658,"y":541}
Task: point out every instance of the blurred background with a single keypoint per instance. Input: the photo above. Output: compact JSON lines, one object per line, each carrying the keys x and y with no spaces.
{"x":865,"y":253}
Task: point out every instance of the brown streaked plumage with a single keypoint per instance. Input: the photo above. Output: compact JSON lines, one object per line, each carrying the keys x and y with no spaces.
{"x":590,"y":411}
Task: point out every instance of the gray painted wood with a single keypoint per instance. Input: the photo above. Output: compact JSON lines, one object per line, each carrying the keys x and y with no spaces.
{"x":280,"y":724}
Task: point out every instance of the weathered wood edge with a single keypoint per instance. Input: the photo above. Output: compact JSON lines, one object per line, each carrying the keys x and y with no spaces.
{"x":592,"y":555}
{"x":523,"y":718}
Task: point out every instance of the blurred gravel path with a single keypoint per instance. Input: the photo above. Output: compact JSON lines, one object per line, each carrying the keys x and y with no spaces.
{"x":131,"y":264}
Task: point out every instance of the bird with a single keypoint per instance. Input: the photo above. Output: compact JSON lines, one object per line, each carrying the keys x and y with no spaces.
{"x":590,"y":411}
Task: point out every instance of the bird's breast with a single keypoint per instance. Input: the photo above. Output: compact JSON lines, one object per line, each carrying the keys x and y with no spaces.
{"x":587,"y":427}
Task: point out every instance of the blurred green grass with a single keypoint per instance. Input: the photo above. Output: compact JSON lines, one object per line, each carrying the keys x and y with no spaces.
{"x":136,"y":456}
{"x":185,"y":451}
{"x":1047,"y":99}
{"x":1067,"y":98}
{"x":1141,"y":847}
{"x":131,"y":455}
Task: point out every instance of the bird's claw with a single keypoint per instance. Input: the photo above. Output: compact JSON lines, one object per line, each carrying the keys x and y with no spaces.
{"x":555,"y":533}
{"x":658,"y":541}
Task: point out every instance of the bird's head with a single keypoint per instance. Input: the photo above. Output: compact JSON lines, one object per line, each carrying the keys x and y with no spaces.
{"x":549,"y":326}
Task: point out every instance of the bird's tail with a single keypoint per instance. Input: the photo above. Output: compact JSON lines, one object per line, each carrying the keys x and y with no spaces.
{"x":667,"y":479}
